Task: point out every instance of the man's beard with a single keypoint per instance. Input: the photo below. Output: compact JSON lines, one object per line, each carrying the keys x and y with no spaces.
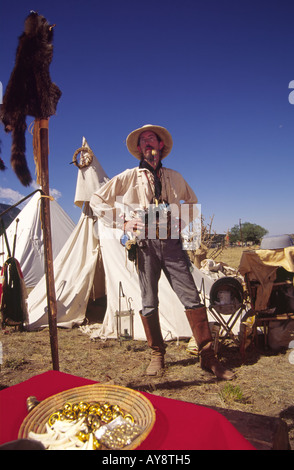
{"x":152,"y":156}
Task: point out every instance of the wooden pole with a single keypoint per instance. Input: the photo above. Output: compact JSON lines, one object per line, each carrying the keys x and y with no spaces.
{"x":46,"y":225}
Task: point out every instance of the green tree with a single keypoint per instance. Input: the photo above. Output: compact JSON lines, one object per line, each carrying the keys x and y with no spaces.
{"x":248,"y":232}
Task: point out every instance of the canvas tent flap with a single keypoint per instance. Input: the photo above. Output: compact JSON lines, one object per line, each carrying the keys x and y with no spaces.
{"x":79,"y":262}
{"x":29,"y":242}
{"x":74,"y":270}
{"x":90,"y":178}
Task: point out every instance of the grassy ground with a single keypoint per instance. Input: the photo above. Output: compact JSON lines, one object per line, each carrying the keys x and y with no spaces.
{"x":231,"y":255}
{"x":263,"y":384}
{"x":264,"y":381}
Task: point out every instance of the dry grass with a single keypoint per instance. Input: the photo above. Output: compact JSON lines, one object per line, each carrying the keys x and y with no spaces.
{"x":264,"y":381}
{"x":232,"y":255}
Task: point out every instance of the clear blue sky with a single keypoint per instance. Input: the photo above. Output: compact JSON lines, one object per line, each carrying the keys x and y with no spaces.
{"x":216,"y":73}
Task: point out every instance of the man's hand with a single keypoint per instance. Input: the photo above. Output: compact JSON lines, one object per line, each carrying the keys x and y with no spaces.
{"x":133,"y":225}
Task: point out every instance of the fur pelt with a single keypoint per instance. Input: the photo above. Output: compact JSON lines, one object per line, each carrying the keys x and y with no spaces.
{"x":2,"y":164}
{"x":30,"y":90}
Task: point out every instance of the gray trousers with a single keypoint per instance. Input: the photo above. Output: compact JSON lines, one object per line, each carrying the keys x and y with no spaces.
{"x":168,"y":256}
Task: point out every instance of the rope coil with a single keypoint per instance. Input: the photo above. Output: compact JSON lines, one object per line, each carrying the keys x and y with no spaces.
{"x":84,"y":160}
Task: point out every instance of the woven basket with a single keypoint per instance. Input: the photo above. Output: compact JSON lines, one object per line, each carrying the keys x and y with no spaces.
{"x":130,"y":401}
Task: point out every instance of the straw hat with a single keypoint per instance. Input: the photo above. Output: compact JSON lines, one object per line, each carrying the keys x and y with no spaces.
{"x":163,"y":134}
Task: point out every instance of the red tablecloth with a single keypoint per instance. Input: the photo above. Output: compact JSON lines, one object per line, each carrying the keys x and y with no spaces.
{"x":178,"y":426}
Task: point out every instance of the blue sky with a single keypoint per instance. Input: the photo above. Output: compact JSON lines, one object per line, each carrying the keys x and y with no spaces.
{"x":215,"y":73}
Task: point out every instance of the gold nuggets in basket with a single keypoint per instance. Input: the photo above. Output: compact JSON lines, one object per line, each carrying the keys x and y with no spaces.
{"x":78,"y":418}
{"x":89,"y":425}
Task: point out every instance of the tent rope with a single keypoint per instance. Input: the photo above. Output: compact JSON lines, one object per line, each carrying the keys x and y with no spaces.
{"x":49,"y":197}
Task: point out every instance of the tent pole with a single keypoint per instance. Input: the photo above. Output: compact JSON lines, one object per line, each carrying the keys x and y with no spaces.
{"x":46,"y":225}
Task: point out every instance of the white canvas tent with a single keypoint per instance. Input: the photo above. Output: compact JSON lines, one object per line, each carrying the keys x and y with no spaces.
{"x":29,"y":248}
{"x":94,"y":260}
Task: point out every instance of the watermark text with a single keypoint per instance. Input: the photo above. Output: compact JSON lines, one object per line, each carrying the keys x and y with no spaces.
{"x":162,"y":221}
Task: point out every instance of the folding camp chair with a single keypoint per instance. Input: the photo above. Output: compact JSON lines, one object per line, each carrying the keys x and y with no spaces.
{"x":226,"y":305}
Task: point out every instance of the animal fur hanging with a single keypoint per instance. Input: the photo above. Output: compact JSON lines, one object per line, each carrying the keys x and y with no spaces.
{"x":2,"y":164}
{"x":30,"y":90}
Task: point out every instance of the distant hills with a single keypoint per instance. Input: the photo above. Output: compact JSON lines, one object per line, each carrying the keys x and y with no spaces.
{"x":9,"y":217}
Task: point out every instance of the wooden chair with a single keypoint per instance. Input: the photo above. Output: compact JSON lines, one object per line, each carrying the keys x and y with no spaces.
{"x":280,"y":306}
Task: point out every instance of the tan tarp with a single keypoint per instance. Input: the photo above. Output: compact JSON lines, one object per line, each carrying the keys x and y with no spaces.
{"x":261,"y":266}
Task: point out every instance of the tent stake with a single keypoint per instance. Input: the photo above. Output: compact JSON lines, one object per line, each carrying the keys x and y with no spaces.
{"x":46,"y":225}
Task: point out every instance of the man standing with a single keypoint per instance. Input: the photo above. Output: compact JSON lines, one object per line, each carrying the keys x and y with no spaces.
{"x":145,"y":187}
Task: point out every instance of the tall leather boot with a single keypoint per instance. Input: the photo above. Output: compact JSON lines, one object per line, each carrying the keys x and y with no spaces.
{"x":198,"y":321}
{"x":155,"y":342}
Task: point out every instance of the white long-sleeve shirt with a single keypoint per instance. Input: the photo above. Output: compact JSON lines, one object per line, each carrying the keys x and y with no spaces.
{"x":133,"y":190}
